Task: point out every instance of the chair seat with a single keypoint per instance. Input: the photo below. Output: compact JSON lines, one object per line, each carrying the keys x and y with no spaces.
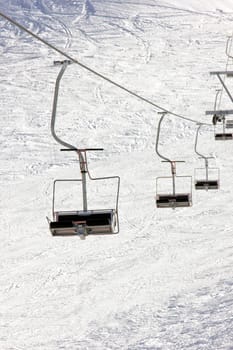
{"x":224,"y":136}
{"x":206,"y":185}
{"x":173,"y":201}
{"x":90,"y":222}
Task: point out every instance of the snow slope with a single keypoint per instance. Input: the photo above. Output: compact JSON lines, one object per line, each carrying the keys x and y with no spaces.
{"x":165,"y":282}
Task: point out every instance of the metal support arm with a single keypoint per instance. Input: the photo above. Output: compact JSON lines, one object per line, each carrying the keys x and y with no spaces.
{"x":64,"y":65}
{"x":206,"y":159}
{"x":172,"y":163}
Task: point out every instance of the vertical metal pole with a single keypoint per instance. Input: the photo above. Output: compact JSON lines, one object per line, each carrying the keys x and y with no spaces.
{"x":83,"y":169}
{"x":201,"y":155}
{"x":173,"y":170}
{"x":224,"y":125}
{"x":206,"y":169}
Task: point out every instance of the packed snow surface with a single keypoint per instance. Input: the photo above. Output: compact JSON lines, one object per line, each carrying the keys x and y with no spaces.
{"x":165,"y":281}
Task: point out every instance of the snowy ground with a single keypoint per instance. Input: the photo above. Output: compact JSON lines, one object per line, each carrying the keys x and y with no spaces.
{"x":165,"y":282}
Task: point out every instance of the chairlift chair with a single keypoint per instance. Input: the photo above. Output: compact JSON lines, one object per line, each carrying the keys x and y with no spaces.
{"x":205,"y":182}
{"x":223,"y":136}
{"x":219,"y":116}
{"x":84,"y":221}
{"x":172,"y":198}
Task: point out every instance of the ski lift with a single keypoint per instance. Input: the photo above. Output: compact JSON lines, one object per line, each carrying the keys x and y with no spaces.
{"x":83,"y":222}
{"x":80,"y":222}
{"x":220,"y":117}
{"x":205,"y":182}
{"x":172,"y":198}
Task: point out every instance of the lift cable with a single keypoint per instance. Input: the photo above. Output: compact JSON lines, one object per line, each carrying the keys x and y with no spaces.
{"x":20,"y":26}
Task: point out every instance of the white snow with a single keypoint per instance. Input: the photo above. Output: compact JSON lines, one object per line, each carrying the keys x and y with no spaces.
{"x":165,"y":282}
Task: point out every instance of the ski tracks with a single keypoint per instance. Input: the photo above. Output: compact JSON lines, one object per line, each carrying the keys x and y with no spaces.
{"x":68,"y":33}
{"x":129,"y":29}
{"x":64,"y":27}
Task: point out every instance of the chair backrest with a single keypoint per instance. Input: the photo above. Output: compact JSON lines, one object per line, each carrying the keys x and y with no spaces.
{"x":91,"y":218}
{"x":229,"y":124}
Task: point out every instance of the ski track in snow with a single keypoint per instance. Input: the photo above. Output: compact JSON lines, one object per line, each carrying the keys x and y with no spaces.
{"x":165,"y":282}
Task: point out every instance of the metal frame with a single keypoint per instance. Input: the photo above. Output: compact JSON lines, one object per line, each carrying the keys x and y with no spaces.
{"x":55,"y":214}
{"x":79,"y":227}
{"x":206,"y":183}
{"x":171,"y":200}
